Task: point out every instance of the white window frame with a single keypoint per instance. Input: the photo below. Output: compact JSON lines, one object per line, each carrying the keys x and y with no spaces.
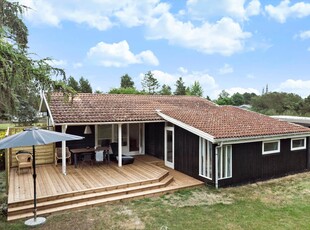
{"x":299,"y":148}
{"x":204,"y":158}
{"x":272,"y":151}
{"x":221,"y":163}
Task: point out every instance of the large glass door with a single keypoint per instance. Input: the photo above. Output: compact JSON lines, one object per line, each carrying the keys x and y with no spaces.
{"x":169,"y":147}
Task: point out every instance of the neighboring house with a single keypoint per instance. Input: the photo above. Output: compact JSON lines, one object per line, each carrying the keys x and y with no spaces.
{"x":220,"y":145}
{"x":304,"y":121}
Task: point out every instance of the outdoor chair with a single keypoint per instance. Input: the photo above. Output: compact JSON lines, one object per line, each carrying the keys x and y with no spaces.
{"x":125,"y":159}
{"x":58,"y":155}
{"x":24,"y":160}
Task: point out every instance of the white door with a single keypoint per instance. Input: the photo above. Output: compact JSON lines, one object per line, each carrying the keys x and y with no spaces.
{"x":169,"y":147}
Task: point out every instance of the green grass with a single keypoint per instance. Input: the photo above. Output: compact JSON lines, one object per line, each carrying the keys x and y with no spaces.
{"x":6,"y":125}
{"x":276,"y":204}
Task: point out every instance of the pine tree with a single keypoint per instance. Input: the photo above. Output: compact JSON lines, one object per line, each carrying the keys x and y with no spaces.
{"x":180,"y":87}
{"x":150,"y":83}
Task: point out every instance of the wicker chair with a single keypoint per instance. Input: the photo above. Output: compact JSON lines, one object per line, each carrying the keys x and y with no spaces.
{"x":24,"y":160}
{"x":58,"y":155}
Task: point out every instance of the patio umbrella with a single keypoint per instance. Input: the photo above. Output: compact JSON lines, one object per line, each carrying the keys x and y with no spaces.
{"x":31,"y":137}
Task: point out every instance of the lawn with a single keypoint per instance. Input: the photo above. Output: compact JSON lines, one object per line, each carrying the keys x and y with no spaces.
{"x":275,"y":204}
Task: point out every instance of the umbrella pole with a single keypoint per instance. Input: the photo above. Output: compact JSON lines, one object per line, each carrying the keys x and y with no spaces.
{"x":34,"y":183}
{"x":35,"y":220}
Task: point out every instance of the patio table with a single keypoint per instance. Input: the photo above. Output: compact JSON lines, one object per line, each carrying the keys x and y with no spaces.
{"x":75,"y":152}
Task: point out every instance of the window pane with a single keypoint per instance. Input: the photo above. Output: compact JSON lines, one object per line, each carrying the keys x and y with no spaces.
{"x":224,"y":159}
{"x":210,"y":162}
{"x":228,"y":161}
{"x":270,"y":146}
{"x":219,"y":164}
{"x":299,"y":143}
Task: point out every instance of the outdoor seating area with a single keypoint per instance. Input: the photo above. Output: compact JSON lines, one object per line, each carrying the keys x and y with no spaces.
{"x":91,"y":185}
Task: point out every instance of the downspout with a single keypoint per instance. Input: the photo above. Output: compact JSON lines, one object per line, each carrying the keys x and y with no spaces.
{"x":216,"y":164}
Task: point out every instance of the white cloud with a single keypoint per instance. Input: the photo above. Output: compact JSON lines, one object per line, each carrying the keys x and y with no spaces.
{"x":206,"y":81}
{"x":285,"y":10}
{"x":304,"y":35}
{"x":182,"y":70}
{"x":57,"y":63}
{"x":77,"y":65}
{"x":200,"y":9}
{"x":226,"y":69}
{"x":301,"y":87}
{"x":99,"y":14}
{"x":119,"y":55}
{"x":224,"y":37}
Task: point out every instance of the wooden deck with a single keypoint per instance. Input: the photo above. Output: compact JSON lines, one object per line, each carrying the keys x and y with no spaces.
{"x":91,"y":185}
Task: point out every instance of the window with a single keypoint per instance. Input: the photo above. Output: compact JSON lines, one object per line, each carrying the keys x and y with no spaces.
{"x":271,"y":147}
{"x":224,"y":162}
{"x":205,"y":158}
{"x":298,"y":143}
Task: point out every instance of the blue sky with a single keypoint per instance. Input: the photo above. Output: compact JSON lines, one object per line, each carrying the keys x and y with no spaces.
{"x":232,"y":45}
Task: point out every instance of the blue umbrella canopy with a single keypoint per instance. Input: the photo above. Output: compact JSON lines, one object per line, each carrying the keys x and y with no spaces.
{"x":35,"y":136}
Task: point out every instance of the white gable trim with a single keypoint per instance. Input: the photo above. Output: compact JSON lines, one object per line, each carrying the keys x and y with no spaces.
{"x":48,"y":108}
{"x":187,"y":127}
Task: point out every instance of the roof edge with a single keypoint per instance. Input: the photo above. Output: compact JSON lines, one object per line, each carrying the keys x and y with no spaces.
{"x":187,"y":127}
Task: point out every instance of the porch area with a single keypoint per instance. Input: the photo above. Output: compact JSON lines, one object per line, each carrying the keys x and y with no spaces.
{"x":91,"y":185}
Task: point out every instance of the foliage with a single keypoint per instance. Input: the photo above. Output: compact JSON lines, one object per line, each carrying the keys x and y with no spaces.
{"x":180,"y":87}
{"x":127,"y":82}
{"x":275,"y":103}
{"x":85,"y":86}
{"x":150,"y":83}
{"x":165,"y":90}
{"x":196,"y":89}
{"x":237,"y":99}
{"x":125,"y":91}
{"x":224,"y":98}
{"x":21,"y":76}
{"x":73,"y":84}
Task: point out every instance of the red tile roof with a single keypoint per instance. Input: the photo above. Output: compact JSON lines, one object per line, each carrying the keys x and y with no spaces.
{"x":118,"y":108}
{"x":232,"y":122}
{"x":218,"y":121}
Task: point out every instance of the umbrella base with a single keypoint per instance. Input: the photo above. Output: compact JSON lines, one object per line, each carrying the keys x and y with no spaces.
{"x":35,"y":222}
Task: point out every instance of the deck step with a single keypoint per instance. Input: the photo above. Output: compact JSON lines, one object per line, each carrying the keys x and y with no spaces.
{"x":90,"y":191}
{"x":92,"y":203}
{"x":89,"y":197}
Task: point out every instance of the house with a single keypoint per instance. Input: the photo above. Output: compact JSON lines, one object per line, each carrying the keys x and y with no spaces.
{"x":220,"y":145}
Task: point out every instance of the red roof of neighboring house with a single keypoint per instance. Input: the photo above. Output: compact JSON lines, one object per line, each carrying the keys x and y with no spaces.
{"x":218,"y":121}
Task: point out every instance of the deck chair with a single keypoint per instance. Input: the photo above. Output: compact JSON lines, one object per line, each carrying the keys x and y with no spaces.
{"x":58,"y":155}
{"x":24,"y":160}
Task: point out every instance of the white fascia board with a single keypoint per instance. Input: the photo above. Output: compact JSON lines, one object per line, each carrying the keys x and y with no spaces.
{"x":228,"y":141}
{"x":187,"y":127}
{"x":48,"y":109}
{"x":109,"y":123}
{"x":304,"y":120}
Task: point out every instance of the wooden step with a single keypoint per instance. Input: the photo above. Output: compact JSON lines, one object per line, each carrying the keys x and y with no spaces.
{"x":161,"y":177}
{"x":88,"y":200}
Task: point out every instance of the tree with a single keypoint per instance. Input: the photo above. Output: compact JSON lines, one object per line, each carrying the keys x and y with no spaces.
{"x":224,"y":98}
{"x":73,"y":84}
{"x":180,"y":87}
{"x":196,"y":89}
{"x":98,"y":92}
{"x":126,"y":82}
{"x":85,"y":86}
{"x":150,"y":83}
{"x":237,"y":99}
{"x":124,"y":91}
{"x":165,"y":90}
{"x":247,"y":97}
{"x":305,"y":107}
{"x":18,"y":72}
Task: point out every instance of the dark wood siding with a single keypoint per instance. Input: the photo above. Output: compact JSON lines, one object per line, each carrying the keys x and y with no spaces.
{"x":186,"y":152}
{"x":88,"y":141}
{"x":154,"y":139}
{"x":249,"y":164}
